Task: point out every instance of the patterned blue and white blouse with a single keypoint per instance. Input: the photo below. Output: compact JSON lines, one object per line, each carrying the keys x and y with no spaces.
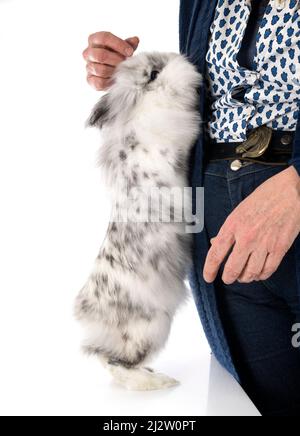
{"x":272,"y":90}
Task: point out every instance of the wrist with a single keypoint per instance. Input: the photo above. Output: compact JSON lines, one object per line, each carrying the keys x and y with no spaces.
{"x":295,"y":178}
{"x":290,"y":183}
{"x":296,"y":173}
{"x":293,"y":181}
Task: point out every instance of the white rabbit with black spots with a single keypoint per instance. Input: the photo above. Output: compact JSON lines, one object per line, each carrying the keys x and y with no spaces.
{"x":149,"y":121}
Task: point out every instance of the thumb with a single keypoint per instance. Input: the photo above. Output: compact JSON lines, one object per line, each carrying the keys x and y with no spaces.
{"x":134,"y":42}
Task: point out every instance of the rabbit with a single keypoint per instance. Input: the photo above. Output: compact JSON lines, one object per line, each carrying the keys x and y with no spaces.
{"x":149,"y":120}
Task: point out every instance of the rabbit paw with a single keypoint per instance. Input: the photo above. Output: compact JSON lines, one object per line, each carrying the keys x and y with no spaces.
{"x":141,"y":379}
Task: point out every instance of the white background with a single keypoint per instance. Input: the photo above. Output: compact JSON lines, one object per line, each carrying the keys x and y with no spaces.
{"x":54,"y":214}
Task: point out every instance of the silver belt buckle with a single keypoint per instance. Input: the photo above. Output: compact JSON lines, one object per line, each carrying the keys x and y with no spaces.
{"x":256,"y":144}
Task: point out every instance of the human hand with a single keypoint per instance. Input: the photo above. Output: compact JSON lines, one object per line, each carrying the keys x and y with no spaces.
{"x":103,"y":54}
{"x":259,"y":232}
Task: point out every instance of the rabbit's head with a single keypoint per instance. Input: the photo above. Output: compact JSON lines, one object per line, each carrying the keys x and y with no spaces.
{"x":165,"y":80}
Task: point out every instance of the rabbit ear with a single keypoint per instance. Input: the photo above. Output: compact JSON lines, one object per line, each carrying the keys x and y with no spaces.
{"x":101,"y":114}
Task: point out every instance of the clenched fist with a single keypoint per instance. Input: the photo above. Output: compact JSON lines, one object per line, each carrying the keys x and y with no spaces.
{"x":104,"y":53}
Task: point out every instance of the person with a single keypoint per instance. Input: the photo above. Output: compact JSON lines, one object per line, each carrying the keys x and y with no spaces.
{"x":246,"y":270}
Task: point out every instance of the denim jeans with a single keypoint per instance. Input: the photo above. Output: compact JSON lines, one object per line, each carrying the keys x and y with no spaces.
{"x":257,"y":318}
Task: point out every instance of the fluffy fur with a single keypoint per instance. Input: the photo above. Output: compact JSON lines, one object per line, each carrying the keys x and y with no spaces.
{"x":149,"y":122}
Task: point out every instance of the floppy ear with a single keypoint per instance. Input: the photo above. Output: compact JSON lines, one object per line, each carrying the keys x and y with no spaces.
{"x":100,"y":114}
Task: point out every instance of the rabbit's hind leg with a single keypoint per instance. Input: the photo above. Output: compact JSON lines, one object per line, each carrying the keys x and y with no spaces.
{"x":144,"y":337}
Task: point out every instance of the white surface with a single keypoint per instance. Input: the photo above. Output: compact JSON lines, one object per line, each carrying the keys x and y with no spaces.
{"x":54,"y":215}
{"x":53,"y":378}
{"x":225,"y":396}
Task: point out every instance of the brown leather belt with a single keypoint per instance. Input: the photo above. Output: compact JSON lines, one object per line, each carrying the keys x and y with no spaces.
{"x":263,"y":145}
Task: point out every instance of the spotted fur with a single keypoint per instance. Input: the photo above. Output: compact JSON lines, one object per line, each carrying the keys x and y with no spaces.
{"x":137,"y":284}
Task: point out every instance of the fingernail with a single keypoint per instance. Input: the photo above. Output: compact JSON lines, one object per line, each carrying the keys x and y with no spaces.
{"x":227,"y":280}
{"x":129,"y":51}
